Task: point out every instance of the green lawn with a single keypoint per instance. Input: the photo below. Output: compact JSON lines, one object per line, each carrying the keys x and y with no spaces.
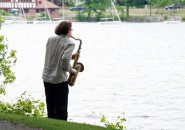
{"x":48,"y":124}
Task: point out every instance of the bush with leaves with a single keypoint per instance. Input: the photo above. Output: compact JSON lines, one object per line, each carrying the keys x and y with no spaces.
{"x":7,"y":60}
{"x":44,"y":16}
{"x":119,"y":124}
{"x":4,"y":13}
{"x":95,"y":7}
{"x":183,"y":18}
{"x":25,"y":105}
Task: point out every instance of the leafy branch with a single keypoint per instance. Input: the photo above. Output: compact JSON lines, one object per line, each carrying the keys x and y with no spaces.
{"x":119,"y":124}
{"x":7,"y":60}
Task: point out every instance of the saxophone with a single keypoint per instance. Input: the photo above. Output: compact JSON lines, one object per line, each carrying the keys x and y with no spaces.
{"x":76,"y":65}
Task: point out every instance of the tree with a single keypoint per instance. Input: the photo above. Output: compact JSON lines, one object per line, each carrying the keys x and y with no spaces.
{"x":7,"y":60}
{"x":66,"y":2}
{"x":160,"y":4}
{"x":57,"y":2}
{"x":96,"y":6}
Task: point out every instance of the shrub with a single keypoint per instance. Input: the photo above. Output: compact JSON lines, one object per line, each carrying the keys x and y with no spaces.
{"x":81,"y":17}
{"x":44,"y":16}
{"x":165,"y":17}
{"x":119,"y":124}
{"x":4,"y":13}
{"x":25,"y":105}
{"x":183,"y":18}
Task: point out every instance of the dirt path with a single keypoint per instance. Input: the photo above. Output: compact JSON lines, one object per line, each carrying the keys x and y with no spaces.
{"x":5,"y":125}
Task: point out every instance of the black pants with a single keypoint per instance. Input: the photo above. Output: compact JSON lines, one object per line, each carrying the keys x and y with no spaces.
{"x":57,"y":100}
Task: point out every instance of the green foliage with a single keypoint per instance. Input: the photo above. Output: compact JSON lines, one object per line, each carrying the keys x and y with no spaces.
{"x":165,"y":17}
{"x":137,"y":3}
{"x":4,"y":13}
{"x":98,"y":16}
{"x":161,"y":3}
{"x":95,"y":7}
{"x":119,"y":124}
{"x":70,"y":3}
{"x":25,"y":105}
{"x":7,"y":60}
{"x":122,"y":12}
{"x":183,"y":18}
{"x":1,"y":21}
{"x":80,"y":16}
{"x":44,"y":16}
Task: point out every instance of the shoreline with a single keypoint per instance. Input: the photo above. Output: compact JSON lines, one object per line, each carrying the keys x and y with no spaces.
{"x":131,"y":19}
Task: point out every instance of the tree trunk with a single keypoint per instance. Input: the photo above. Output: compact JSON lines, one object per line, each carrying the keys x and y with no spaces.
{"x":127,"y":11}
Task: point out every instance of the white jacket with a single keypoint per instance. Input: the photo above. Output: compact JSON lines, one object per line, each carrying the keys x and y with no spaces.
{"x":57,"y":59}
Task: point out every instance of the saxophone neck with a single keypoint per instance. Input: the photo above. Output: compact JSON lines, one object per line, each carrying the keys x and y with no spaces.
{"x":79,"y":41}
{"x":72,"y":37}
{"x":76,"y":39}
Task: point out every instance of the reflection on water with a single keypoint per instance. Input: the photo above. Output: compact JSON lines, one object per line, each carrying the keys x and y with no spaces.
{"x":133,"y":68}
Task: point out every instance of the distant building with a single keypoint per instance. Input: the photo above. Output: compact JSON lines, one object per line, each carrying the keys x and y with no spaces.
{"x":31,"y":7}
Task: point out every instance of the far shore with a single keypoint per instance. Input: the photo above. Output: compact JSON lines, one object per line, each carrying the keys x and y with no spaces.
{"x":135,"y":15}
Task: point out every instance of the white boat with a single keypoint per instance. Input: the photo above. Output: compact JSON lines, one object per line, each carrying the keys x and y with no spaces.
{"x":8,"y":21}
{"x":111,"y":20}
{"x":172,"y":21}
{"x":14,"y":20}
{"x":39,"y":22}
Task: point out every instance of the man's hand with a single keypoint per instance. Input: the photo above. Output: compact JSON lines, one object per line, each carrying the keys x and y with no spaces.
{"x":73,"y":71}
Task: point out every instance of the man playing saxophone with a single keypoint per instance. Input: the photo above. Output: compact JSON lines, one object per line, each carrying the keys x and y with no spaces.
{"x":58,"y":55}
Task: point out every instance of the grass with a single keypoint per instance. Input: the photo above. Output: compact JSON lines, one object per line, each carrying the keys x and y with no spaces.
{"x":47,"y":124}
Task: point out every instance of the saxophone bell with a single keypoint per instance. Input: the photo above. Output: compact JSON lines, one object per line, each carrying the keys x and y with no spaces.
{"x":80,"y":67}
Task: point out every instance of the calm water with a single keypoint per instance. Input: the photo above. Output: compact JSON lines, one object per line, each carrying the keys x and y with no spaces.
{"x":135,"y":68}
